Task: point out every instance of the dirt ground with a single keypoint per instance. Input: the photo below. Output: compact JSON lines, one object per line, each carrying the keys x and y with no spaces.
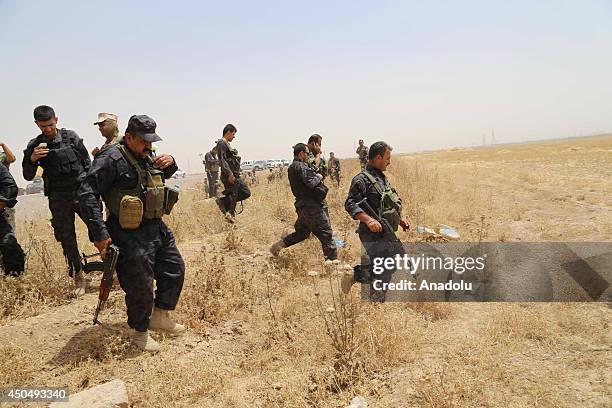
{"x":263,"y":333}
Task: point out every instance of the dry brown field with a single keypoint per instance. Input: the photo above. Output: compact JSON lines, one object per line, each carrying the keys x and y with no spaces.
{"x":263,"y":333}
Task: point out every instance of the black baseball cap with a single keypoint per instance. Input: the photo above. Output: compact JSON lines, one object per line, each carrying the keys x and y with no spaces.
{"x":144,"y":126}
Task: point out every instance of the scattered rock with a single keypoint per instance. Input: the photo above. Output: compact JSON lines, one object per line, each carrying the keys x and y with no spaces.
{"x":277,"y":386}
{"x":112,"y":394}
{"x":358,"y":402}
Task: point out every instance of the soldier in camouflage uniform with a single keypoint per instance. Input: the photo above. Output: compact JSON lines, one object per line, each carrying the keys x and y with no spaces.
{"x":109,"y":129}
{"x":229,"y":162}
{"x":65,"y":162}
{"x":211,"y":165}
{"x":334,"y":168}
{"x":315,"y":158}
{"x":12,"y":254}
{"x":131,"y":183}
{"x":7,"y":157}
{"x":362,"y":151}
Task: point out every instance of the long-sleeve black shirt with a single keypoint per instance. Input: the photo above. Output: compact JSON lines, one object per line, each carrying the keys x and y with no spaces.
{"x":8,"y":187}
{"x":222,"y":154}
{"x":362,"y":187}
{"x":29,"y":168}
{"x":109,"y":170}
{"x":303,"y":181}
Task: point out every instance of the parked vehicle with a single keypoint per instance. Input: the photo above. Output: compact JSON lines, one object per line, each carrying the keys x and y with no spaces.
{"x":259,"y":165}
{"x":273,"y":164}
{"x":247,"y":165}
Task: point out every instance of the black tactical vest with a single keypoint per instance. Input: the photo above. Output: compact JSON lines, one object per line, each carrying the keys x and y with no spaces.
{"x":63,"y":167}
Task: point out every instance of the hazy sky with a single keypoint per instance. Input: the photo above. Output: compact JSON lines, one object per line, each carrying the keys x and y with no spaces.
{"x":418,"y":74}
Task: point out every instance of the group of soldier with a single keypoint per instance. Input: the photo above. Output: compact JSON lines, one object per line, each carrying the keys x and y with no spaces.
{"x":371,"y":200}
{"x":127,"y":177}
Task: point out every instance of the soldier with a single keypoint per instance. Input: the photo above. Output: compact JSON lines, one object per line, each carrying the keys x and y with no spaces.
{"x":309,"y":191}
{"x":229,"y":162}
{"x":7,"y":157}
{"x":315,"y":158}
{"x":362,"y":151}
{"x":372,"y":185}
{"x":334,"y":168}
{"x":65,"y":162}
{"x":132,"y":186}
{"x":12,"y":254}
{"x":211,"y":164}
{"x":107,"y":125}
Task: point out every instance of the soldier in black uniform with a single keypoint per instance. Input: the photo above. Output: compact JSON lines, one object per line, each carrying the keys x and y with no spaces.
{"x":229,"y":162}
{"x":309,"y":191}
{"x":12,"y":254}
{"x":376,"y":241}
{"x":65,"y":162}
{"x":132,"y":186}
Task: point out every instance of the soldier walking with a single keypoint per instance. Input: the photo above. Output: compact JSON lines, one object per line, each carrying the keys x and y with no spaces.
{"x":315,"y":157}
{"x":7,"y":157}
{"x":211,"y":165}
{"x":229,"y":163}
{"x":371,"y":189}
{"x":65,"y":161}
{"x":309,"y":191}
{"x":334,"y":168}
{"x":12,"y":253}
{"x":131,"y":183}
{"x":362,"y":152}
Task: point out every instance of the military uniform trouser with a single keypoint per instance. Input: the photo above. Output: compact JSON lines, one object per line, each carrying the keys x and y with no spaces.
{"x":234,"y":193}
{"x":146,"y":254}
{"x":212,"y":177}
{"x":375,"y":245}
{"x":63,"y":208}
{"x":13,"y":258}
{"x":316,"y":221}
{"x":9,"y":213}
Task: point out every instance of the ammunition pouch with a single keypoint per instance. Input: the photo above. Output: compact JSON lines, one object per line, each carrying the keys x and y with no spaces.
{"x":390,"y":203}
{"x":154,"y":196}
{"x":130,"y":212}
{"x":149,"y":199}
{"x":171,"y":196}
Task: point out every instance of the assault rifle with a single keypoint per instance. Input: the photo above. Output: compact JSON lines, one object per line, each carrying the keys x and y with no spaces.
{"x":108,"y":271}
{"x":386,"y":226}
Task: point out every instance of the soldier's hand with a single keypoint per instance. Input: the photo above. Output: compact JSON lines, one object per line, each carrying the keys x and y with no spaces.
{"x":163,"y":160}
{"x":102,"y":246}
{"x":95,"y":151}
{"x":404,"y":224}
{"x":374,"y":225}
{"x":231,"y":179}
{"x":38,"y":153}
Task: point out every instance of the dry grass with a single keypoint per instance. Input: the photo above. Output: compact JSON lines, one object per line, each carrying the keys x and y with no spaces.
{"x":264,"y":333}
